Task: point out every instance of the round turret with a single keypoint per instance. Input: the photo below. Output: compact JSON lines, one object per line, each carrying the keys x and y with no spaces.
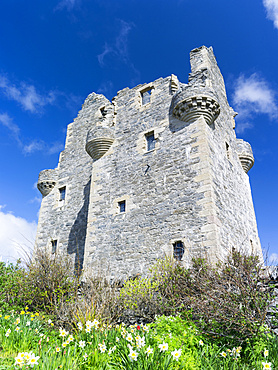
{"x":245,"y":154}
{"x":46,"y":181}
{"x":190,"y":104}
{"x":99,"y":140}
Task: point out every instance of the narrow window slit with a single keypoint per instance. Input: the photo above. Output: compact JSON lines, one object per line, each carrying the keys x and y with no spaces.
{"x":228,"y":150}
{"x":150,"y":140}
{"x":62,"y":193}
{"x":121,"y":206}
{"x":178,"y":250}
{"x":53,"y":246}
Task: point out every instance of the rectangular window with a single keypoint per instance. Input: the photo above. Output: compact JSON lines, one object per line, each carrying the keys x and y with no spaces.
{"x":146,"y":96}
{"x":121,"y":206}
{"x":62,"y":193}
{"x":54,"y":246}
{"x":178,"y":250}
{"x":150,"y":141}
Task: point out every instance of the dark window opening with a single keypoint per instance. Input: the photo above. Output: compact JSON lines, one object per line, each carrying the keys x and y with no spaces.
{"x":150,"y":141}
{"x":122,"y":206}
{"x":178,"y":250}
{"x":103,"y":112}
{"x":54,"y":246}
{"x":62,"y":193}
{"x":228,"y":150}
{"x":146,"y":96}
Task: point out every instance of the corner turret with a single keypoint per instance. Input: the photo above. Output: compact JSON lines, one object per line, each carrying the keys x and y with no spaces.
{"x":99,"y":140}
{"x":245,"y":154}
{"x":47,"y":181}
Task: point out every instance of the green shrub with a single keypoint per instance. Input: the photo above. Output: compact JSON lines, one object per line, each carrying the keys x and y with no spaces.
{"x":10,"y":277}
{"x":227,"y":300}
{"x":45,"y":284}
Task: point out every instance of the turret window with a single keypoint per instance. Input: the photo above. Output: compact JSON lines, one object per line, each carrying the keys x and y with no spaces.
{"x":146,"y":96}
{"x":62,"y":193}
{"x":150,"y":140}
{"x":178,"y":250}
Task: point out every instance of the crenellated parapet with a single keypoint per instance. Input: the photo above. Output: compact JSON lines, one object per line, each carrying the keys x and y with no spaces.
{"x":99,"y":140}
{"x":189,"y":108}
{"x":245,"y":154}
{"x":47,"y":181}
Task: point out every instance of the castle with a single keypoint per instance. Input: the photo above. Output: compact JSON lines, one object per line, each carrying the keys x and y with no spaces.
{"x":158,"y":171}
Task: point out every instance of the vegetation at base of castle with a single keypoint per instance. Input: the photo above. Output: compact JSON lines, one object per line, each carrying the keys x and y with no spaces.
{"x":229,"y":300}
{"x":45,"y":284}
{"x":202,"y":317}
{"x":31,"y":340}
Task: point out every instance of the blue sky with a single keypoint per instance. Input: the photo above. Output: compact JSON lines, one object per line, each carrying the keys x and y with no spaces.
{"x":54,"y":53}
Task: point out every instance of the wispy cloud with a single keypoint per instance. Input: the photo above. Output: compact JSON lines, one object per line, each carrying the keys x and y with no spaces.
{"x":106,"y":88}
{"x":242,"y":126}
{"x":66,"y":4}
{"x":118,"y":49}
{"x":16,"y":235}
{"x":34,"y":145}
{"x":273,"y":258}
{"x":41,"y":146}
{"x":26,"y":95}
{"x":117,"y":52}
{"x":271,"y":7}
{"x":253,"y":95}
{"x":7,"y":121}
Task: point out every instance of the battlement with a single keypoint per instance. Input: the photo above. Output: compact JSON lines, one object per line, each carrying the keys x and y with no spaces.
{"x":158,"y":171}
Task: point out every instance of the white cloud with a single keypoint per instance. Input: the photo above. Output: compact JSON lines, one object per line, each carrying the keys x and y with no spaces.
{"x":272,"y":11}
{"x":273,"y":258}
{"x":16,"y":236}
{"x":253,"y":95}
{"x":66,"y":4}
{"x":26,"y":95}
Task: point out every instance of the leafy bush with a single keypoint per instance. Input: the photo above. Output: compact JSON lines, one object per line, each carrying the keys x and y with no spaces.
{"x":140,"y":296}
{"x":227,"y":301}
{"x":10,"y":277}
{"x":45,"y":283}
{"x":50,"y":283}
{"x":97,"y":299}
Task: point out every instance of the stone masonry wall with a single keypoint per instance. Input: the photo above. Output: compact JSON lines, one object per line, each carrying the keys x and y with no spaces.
{"x":191,"y":187}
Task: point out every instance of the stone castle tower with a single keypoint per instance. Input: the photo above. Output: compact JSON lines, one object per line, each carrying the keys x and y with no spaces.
{"x":158,"y":171}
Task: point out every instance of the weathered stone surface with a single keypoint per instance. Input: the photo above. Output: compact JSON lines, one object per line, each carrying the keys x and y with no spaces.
{"x":190,"y":187}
